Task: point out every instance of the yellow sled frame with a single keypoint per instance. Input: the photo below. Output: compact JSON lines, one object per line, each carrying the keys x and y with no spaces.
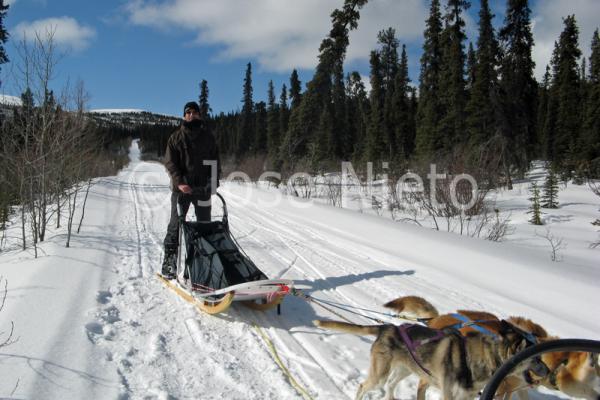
{"x":209,"y":307}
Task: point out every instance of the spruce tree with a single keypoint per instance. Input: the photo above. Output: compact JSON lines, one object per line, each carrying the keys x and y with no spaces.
{"x":550,"y":196}
{"x":3,"y":34}
{"x":542,"y":113}
{"x":295,"y":90}
{"x":24,"y":115}
{"x":273,"y":124}
{"x":357,"y":115}
{"x":410,"y":142}
{"x":471,"y":64}
{"x":321,"y":148}
{"x":535,"y":208}
{"x":552,"y":109}
{"x":27,"y":101}
{"x":566,"y":83}
{"x":338,"y":135}
{"x":260,"y":125}
{"x":284,"y":111}
{"x":203,"y":100}
{"x":376,"y":143}
{"x":452,"y":86}
{"x":483,"y":100}
{"x":388,"y":57}
{"x":245,"y":137}
{"x":518,"y":88}
{"x":428,"y":138}
{"x":591,"y":121}
{"x":403,"y":118}
{"x":304,"y":119}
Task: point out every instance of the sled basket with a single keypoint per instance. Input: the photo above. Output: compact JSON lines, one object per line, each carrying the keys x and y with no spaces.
{"x":211,"y":259}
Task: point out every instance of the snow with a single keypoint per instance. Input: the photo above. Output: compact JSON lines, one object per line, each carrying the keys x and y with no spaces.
{"x":116,"y":111}
{"x":93,"y":322}
{"x":10,"y":100}
{"x":129,"y":111}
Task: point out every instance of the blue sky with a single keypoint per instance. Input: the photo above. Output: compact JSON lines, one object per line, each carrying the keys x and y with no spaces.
{"x":152,"y":54}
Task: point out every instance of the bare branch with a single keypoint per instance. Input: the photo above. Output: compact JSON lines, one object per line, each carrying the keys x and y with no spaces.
{"x":556,"y":244}
{"x":9,"y":337}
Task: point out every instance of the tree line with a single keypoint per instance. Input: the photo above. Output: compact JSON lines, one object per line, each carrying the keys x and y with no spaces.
{"x":475,"y":108}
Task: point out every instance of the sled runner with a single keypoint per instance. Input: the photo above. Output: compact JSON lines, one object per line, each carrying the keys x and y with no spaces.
{"x":213,"y":271}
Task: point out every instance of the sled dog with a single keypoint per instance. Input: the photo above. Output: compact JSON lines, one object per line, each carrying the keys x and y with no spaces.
{"x":576,"y":374}
{"x":459,"y":366}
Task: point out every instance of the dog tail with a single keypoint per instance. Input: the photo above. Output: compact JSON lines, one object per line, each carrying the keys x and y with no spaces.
{"x":414,"y":306}
{"x":349,"y":328}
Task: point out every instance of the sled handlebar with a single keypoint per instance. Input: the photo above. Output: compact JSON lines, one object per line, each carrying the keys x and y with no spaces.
{"x":224,"y":218}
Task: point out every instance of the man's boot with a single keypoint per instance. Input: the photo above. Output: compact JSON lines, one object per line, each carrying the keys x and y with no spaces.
{"x":169,"y":266}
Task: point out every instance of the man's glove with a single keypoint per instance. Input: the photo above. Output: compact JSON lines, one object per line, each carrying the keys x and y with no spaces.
{"x":185,"y":189}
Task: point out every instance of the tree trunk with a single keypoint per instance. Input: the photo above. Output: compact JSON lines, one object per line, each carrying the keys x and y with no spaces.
{"x":72,"y":208}
{"x":57,"y":210}
{"x":87,"y":191}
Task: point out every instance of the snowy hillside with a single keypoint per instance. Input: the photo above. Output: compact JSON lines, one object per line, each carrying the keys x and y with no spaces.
{"x":10,"y":100}
{"x":132,"y":117}
{"x":92,"y":321}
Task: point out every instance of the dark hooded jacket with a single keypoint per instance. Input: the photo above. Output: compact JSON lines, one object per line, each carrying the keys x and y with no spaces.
{"x":187,"y":149}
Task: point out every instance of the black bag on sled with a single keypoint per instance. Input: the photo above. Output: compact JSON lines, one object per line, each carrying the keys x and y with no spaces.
{"x":213,"y":260}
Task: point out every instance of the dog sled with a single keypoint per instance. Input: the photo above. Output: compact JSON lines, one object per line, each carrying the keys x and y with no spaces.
{"x":213,"y":271}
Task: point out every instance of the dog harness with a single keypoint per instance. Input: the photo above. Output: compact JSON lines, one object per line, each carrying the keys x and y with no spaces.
{"x":412,"y":345}
{"x":467,"y":322}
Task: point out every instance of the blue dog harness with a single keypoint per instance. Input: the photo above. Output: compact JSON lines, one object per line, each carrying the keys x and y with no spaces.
{"x":467,"y":322}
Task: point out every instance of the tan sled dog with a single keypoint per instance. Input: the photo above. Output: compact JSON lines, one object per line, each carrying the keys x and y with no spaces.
{"x":459,"y":366}
{"x":573,"y":373}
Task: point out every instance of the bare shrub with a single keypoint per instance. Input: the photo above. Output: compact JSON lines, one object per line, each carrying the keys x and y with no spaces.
{"x":253,"y":166}
{"x":449,"y":200}
{"x":556,"y":244}
{"x":302,"y":186}
{"x":6,"y":338}
{"x":594,"y":185}
{"x":49,"y":145}
{"x":500,"y":228}
{"x":332,"y":188}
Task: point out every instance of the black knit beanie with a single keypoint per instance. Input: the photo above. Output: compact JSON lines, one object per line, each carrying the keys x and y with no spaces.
{"x":191,"y":105}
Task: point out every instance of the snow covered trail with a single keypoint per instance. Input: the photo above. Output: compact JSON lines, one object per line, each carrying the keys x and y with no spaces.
{"x":93,"y":322}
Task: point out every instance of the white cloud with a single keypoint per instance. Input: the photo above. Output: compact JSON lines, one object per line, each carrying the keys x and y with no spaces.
{"x":407,"y":17}
{"x":67,"y":31}
{"x":280,"y":34}
{"x":548,"y":24}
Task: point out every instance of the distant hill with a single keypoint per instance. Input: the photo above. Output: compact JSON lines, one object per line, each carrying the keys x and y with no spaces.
{"x":131,"y":118}
{"x":10,"y":100}
{"x":121,"y":117}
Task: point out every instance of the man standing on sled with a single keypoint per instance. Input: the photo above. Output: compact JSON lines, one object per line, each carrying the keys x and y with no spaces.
{"x":192,"y":161}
